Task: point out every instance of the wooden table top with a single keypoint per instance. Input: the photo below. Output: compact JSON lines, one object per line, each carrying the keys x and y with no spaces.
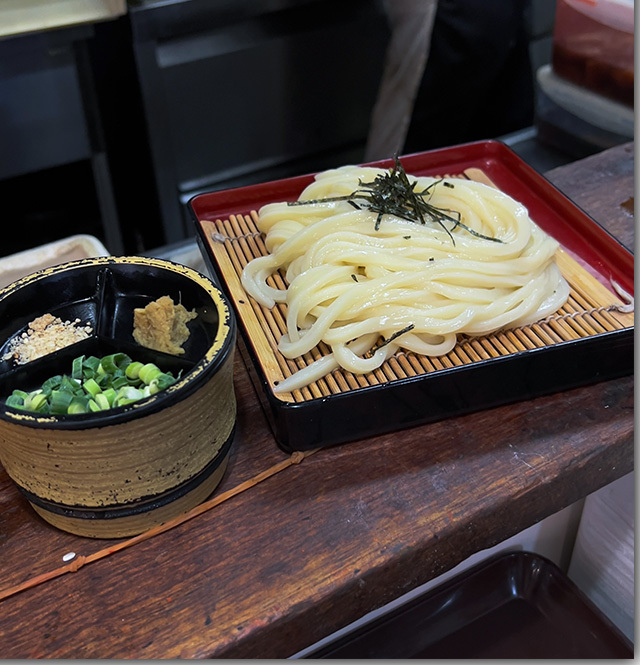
{"x":318,"y":544}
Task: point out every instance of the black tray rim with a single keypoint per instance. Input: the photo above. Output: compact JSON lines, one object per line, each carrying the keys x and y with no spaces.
{"x":288,"y":419}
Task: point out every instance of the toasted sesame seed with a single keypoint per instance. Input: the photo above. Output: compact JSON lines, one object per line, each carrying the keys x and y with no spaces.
{"x":45,"y":335}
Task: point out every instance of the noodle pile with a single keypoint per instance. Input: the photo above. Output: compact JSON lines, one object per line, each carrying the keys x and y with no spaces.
{"x":415,"y":285}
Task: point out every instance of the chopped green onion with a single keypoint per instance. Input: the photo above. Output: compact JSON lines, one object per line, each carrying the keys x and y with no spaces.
{"x":90,"y":366}
{"x":120,"y":382}
{"x":161,"y":382}
{"x":52,"y":384}
{"x":110,"y":394}
{"x":70,"y":385}
{"x":102,"y":401}
{"x":60,"y":401}
{"x":78,"y":405}
{"x":115,"y":361}
{"x":94,"y":385}
{"x":128,"y":394}
{"x":149,"y":372}
{"x":37,"y":401}
{"x":15,"y":401}
{"x":133,"y":370}
{"x":76,"y":368}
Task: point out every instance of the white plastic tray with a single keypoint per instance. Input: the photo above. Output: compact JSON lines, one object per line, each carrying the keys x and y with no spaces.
{"x":74,"y":247}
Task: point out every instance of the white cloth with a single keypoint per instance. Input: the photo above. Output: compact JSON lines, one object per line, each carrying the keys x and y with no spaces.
{"x":602,"y":563}
{"x":411,"y":26}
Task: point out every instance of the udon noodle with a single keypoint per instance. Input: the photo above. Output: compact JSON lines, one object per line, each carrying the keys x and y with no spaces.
{"x":368,"y":285}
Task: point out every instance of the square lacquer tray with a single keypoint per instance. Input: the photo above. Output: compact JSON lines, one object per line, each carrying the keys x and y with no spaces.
{"x":588,"y":340}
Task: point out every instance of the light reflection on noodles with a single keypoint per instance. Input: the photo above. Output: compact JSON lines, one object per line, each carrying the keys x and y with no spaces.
{"x":416,"y":285}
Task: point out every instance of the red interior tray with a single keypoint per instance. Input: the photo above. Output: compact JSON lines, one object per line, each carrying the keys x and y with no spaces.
{"x":580,"y":235}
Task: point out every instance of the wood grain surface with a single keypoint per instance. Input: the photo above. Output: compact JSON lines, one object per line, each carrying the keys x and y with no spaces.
{"x":603,"y":186}
{"x":317,"y":545}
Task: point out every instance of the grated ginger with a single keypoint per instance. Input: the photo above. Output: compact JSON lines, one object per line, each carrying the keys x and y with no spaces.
{"x":162,"y":326}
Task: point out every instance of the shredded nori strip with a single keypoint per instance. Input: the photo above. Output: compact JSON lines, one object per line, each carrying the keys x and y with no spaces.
{"x":389,"y":339}
{"x":392,"y":193}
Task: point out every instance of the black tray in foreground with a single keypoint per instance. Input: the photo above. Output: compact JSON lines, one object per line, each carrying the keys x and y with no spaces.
{"x":513,"y":605}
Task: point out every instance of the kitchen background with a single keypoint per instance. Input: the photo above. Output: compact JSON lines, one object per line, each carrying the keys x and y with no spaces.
{"x":114,"y":114}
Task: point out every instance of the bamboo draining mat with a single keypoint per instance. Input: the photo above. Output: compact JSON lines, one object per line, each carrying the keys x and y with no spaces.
{"x":590,"y":310}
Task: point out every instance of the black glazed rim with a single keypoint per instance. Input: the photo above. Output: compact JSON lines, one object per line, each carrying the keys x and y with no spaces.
{"x":192,"y":379}
{"x":143,"y":505}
